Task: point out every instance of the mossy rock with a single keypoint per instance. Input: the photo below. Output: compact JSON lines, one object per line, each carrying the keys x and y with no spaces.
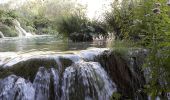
{"x":65,"y":62}
{"x":117,"y":67}
{"x":28,"y":68}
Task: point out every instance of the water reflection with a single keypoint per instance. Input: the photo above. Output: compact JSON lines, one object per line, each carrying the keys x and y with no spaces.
{"x":44,"y":43}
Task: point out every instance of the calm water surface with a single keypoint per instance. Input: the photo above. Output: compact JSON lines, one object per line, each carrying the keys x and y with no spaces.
{"x":44,"y":43}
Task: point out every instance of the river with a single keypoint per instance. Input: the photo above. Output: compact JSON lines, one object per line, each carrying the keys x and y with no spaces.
{"x":44,"y":43}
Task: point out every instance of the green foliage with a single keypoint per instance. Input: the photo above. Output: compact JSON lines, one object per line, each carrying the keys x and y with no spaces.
{"x":116,"y":96}
{"x":40,"y":22}
{"x":99,"y":27}
{"x":8,"y":31}
{"x":119,"y":19}
{"x":6,"y":25}
{"x":71,"y":24}
{"x":146,"y":22}
{"x":6,"y":17}
{"x":122,"y":46}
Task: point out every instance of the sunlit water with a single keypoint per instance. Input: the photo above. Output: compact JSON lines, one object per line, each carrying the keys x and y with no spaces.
{"x":44,"y":43}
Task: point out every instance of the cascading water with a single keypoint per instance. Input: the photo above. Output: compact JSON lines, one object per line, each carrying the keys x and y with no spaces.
{"x":21,"y":31}
{"x":16,"y":88}
{"x":93,"y":74}
{"x":58,"y":77}
{"x":1,"y":35}
{"x":86,"y":81}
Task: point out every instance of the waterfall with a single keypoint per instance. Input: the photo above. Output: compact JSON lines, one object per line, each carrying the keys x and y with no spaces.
{"x":86,"y":81}
{"x":93,"y":74}
{"x":21,"y":31}
{"x":1,"y":35}
{"x":56,"y":77}
{"x":16,"y":88}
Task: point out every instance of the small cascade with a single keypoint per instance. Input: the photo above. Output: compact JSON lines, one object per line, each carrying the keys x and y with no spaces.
{"x":56,"y":77}
{"x":21,"y":31}
{"x":5,"y":87}
{"x":41,"y":84}
{"x":55,"y":86}
{"x":93,"y":74}
{"x":16,"y":88}
{"x":84,"y":81}
{"x":1,"y":35}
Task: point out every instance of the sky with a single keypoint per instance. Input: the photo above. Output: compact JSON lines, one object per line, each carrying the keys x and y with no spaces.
{"x":94,"y":7}
{"x":4,"y":1}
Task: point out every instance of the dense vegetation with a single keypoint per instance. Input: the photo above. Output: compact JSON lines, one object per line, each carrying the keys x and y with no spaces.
{"x":147,"y":24}
{"x":144,"y":23}
{"x":79,"y":28}
{"x":39,"y":17}
{"x":52,"y":17}
{"x":6,"y":27}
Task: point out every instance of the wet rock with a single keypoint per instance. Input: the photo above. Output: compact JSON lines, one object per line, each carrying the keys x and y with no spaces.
{"x":118,"y":68}
{"x":29,"y":67}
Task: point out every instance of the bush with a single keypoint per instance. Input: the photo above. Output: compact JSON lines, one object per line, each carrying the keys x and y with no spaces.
{"x":146,"y":22}
{"x":99,"y":27}
{"x":71,"y":24}
{"x":8,"y":31}
{"x":6,"y":25}
{"x":40,"y":22}
{"x":78,"y":37}
{"x":119,"y":19}
{"x":79,"y":28}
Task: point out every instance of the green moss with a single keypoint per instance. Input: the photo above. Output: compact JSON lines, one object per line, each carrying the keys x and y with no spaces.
{"x":4,"y":73}
{"x":65,"y":62}
{"x":28,"y":68}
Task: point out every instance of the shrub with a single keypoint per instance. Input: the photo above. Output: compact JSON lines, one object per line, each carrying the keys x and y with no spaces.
{"x":8,"y":31}
{"x":71,"y":24}
{"x":79,"y":28}
{"x":40,"y":22}
{"x":148,"y":23}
